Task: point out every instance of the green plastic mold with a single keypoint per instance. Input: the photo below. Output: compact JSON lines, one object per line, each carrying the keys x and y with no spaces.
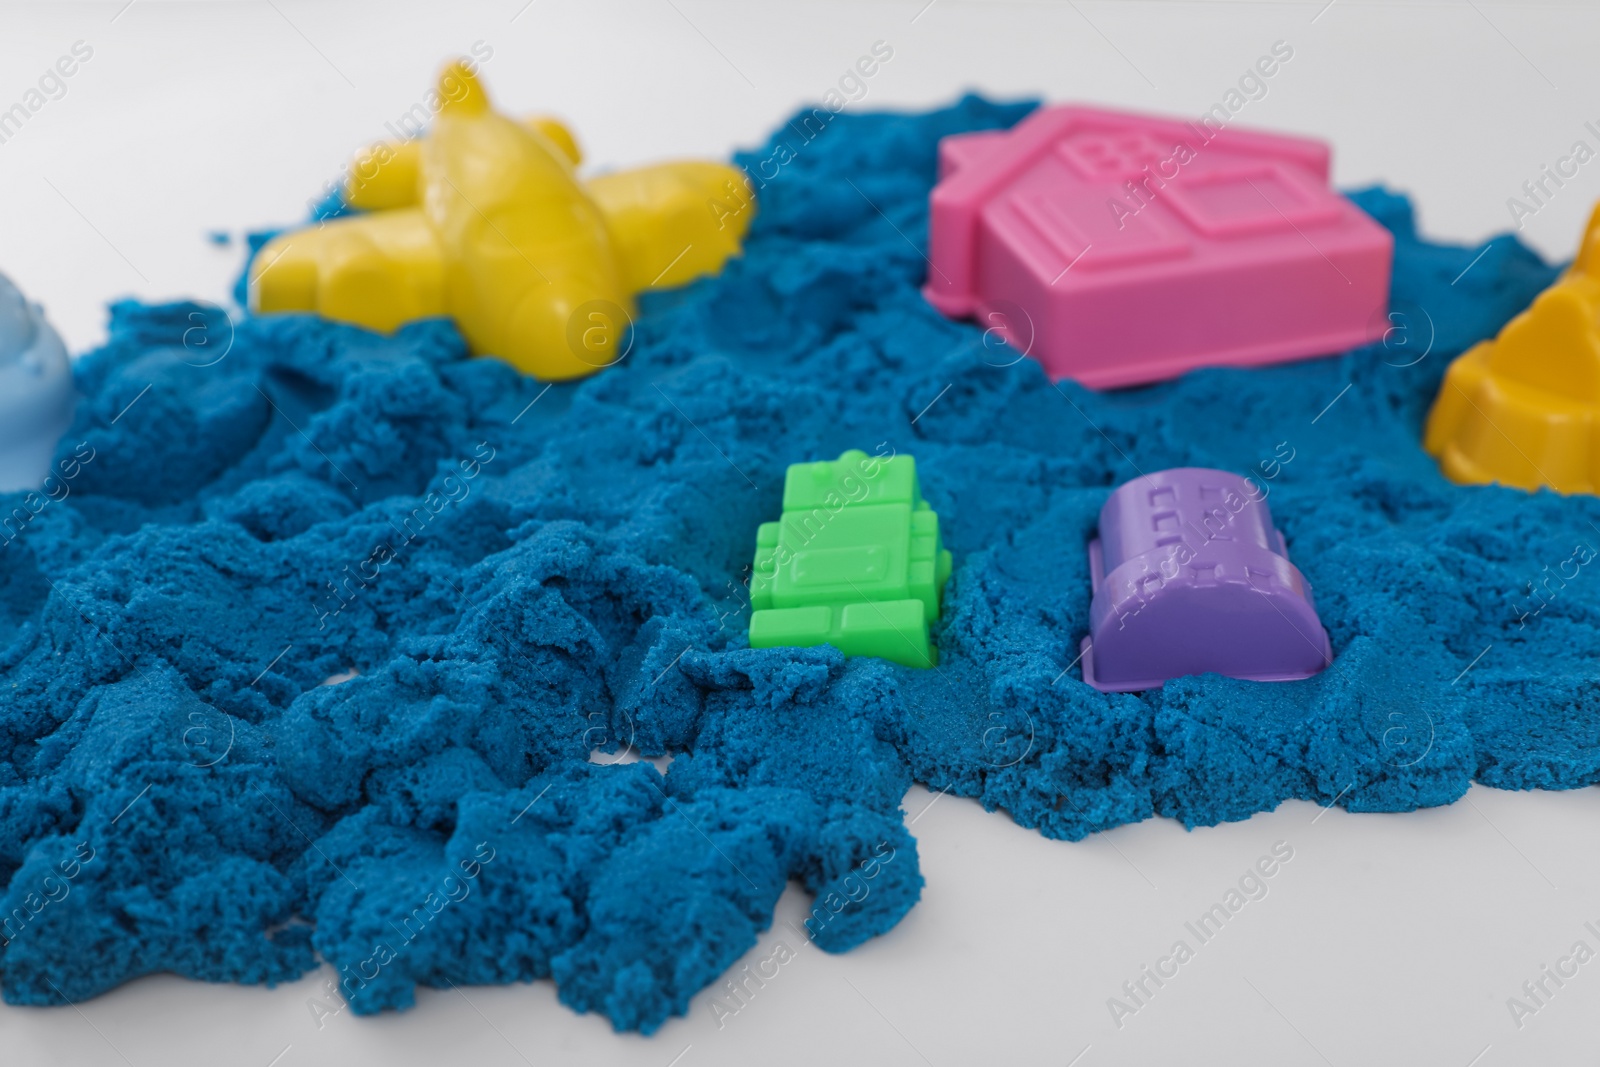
{"x":855,"y":562}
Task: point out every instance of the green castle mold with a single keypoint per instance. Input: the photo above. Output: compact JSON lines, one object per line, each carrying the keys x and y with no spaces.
{"x":855,"y":562}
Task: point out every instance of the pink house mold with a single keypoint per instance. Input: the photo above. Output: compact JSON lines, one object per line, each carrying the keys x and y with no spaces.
{"x":1119,"y":249}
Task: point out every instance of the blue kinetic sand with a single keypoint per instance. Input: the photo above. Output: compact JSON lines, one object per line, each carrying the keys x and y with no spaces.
{"x":519,"y":576}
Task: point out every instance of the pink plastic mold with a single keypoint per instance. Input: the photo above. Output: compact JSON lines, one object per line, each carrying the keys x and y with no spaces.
{"x":1118,"y":249}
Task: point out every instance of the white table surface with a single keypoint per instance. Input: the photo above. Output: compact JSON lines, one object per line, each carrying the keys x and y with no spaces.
{"x":1388,"y":939}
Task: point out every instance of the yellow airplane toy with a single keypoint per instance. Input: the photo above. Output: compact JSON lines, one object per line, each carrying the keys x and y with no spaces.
{"x":484,"y":220}
{"x":1524,"y":409}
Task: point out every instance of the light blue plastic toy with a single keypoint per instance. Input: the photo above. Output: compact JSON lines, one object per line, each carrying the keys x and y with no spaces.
{"x":36,"y":393}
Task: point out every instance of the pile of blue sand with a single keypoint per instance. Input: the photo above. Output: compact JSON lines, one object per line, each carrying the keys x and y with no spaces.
{"x":313,"y":656}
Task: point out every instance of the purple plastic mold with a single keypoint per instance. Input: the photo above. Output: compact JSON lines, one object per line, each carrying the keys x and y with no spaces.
{"x":1191,"y":577}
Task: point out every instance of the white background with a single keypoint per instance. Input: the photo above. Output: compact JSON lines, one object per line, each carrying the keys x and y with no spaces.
{"x":1388,"y":939}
